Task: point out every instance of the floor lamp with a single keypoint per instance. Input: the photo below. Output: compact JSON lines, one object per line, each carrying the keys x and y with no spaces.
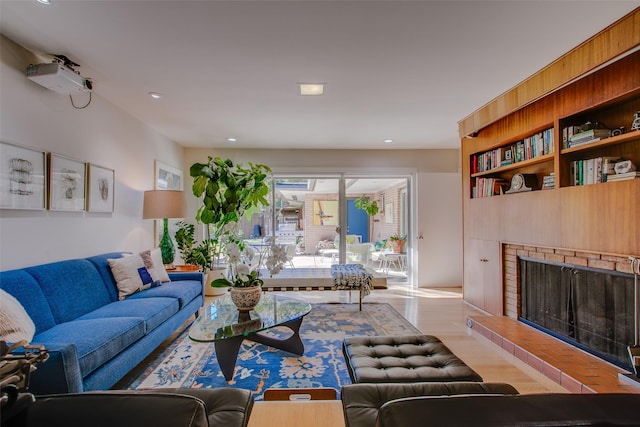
{"x":164,"y":204}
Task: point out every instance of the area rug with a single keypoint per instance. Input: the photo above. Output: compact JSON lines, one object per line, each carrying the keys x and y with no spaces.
{"x":187,"y":364}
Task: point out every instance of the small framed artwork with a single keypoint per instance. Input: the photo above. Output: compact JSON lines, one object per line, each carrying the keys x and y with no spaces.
{"x":100,"y":189}
{"x":23,"y":174}
{"x":67,"y":178}
{"x":168,"y":177}
{"x":325,"y":212}
{"x":388,"y":213}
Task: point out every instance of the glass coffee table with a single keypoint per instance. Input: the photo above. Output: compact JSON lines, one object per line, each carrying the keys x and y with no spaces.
{"x":221,"y":323}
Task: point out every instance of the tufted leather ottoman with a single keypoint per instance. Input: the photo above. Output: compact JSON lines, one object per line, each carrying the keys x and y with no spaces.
{"x":403,"y":359}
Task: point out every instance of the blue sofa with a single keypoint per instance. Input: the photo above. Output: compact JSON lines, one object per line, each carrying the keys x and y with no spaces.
{"x":94,"y":339}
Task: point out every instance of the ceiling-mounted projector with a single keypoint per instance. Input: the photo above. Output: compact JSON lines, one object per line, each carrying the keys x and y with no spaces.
{"x":59,"y":78}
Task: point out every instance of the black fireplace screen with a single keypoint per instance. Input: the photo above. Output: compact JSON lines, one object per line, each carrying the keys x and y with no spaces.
{"x":590,"y":308}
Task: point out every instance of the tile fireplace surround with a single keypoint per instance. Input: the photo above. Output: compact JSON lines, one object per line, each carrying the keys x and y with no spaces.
{"x":572,"y":368}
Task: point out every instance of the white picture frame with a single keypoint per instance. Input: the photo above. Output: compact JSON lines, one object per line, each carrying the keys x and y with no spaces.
{"x":100,"y":188}
{"x":167,"y":177}
{"x":388,"y":213}
{"x":23,"y":173}
{"x":67,"y":184}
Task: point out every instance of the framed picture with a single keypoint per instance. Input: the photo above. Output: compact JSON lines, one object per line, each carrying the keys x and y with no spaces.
{"x":100,"y":189}
{"x":67,"y":178}
{"x":388,"y":213}
{"x":168,"y":177}
{"x":23,"y":174}
{"x":325,"y":212}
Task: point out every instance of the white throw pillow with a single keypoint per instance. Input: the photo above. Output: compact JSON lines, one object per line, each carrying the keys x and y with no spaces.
{"x":15,"y":323}
{"x":156,"y":257}
{"x":134,"y":273}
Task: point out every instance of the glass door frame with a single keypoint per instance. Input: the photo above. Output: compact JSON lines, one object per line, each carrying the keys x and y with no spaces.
{"x":407,"y":222}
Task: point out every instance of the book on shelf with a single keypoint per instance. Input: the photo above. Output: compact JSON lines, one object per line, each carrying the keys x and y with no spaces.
{"x":549,"y":181}
{"x":587,"y":136}
{"x":592,"y":171}
{"x":623,"y":176}
{"x":531,"y":147}
{"x":487,"y":187}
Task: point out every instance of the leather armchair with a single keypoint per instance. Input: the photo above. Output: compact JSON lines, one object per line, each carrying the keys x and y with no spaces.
{"x":362,"y":402}
{"x":158,"y":407}
{"x":532,"y":410}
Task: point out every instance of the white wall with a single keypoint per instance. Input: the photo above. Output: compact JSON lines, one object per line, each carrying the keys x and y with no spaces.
{"x":437,"y":185}
{"x":105,"y":135}
{"x":101,"y":134}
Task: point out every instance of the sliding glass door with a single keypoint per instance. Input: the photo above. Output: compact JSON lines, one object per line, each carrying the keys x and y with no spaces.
{"x":338,"y":219}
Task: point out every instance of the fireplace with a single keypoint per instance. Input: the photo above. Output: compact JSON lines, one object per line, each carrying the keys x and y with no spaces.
{"x":591,"y":308}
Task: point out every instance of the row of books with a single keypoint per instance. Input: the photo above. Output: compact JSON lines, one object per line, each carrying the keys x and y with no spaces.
{"x":487,"y":187}
{"x":573,"y":137}
{"x":549,"y":181}
{"x":536,"y":145}
{"x":592,"y":171}
{"x":623,"y":176}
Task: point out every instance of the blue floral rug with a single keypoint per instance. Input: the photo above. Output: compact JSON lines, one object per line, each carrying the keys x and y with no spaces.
{"x":187,"y":364}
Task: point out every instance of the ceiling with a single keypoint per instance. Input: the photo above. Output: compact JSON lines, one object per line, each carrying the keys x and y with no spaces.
{"x":406,"y":71}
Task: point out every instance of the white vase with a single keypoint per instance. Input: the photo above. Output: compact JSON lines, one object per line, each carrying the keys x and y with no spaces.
{"x":246,"y":299}
{"x":213,"y":274}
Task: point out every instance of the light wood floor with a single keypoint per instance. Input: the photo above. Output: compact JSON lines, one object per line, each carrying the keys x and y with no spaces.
{"x":443,"y":313}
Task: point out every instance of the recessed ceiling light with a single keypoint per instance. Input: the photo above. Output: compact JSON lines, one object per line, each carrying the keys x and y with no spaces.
{"x":44,"y":1}
{"x":311,"y":89}
{"x":231,"y":140}
{"x":155,"y":95}
{"x":388,"y":141}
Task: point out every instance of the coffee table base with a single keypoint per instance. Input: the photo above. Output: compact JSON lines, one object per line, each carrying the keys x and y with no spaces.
{"x":227,"y":349}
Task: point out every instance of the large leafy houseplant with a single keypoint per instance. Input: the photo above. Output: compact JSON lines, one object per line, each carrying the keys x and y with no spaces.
{"x":229,"y":191}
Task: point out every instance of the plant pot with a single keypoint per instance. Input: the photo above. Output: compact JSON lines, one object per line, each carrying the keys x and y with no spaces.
{"x":397,"y":246}
{"x":246,"y":299}
{"x":213,"y":274}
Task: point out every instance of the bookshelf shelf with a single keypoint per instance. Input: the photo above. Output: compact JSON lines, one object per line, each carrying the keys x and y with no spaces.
{"x":517,"y":165}
{"x":614,"y":140}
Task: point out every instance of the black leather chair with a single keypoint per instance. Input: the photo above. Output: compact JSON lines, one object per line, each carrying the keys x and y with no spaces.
{"x":532,"y":410}
{"x":226,"y":407}
{"x":362,"y":402}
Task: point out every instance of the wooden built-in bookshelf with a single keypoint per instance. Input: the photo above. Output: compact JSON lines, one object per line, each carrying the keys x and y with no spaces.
{"x":600,"y":217}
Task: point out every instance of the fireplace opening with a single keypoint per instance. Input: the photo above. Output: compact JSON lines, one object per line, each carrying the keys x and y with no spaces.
{"x":590,"y":308}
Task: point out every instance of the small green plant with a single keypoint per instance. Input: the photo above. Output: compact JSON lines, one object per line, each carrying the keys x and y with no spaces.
{"x":366,"y":204}
{"x":398,"y":237}
{"x":193,"y":253}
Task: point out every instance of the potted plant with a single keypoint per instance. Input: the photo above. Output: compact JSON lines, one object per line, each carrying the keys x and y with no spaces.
{"x":228,"y":192}
{"x":366,"y":204}
{"x":244,"y":273}
{"x":397,"y":243}
{"x":193,"y":253}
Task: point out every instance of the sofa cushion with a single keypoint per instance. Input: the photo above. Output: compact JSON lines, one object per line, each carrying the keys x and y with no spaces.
{"x":185,"y":291}
{"x":15,"y":323}
{"x":153,"y":311}
{"x":156,"y":257}
{"x":97,"y":340}
{"x":72,"y":288}
{"x":134,"y":273}
{"x":26,"y":290}
{"x":101,"y":264}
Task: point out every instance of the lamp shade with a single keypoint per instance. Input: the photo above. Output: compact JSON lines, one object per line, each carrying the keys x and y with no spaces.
{"x":160,"y":204}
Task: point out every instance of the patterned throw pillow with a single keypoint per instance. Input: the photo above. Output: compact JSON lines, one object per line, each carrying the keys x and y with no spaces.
{"x":15,"y":323}
{"x":134,"y":273}
{"x":156,"y":257}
